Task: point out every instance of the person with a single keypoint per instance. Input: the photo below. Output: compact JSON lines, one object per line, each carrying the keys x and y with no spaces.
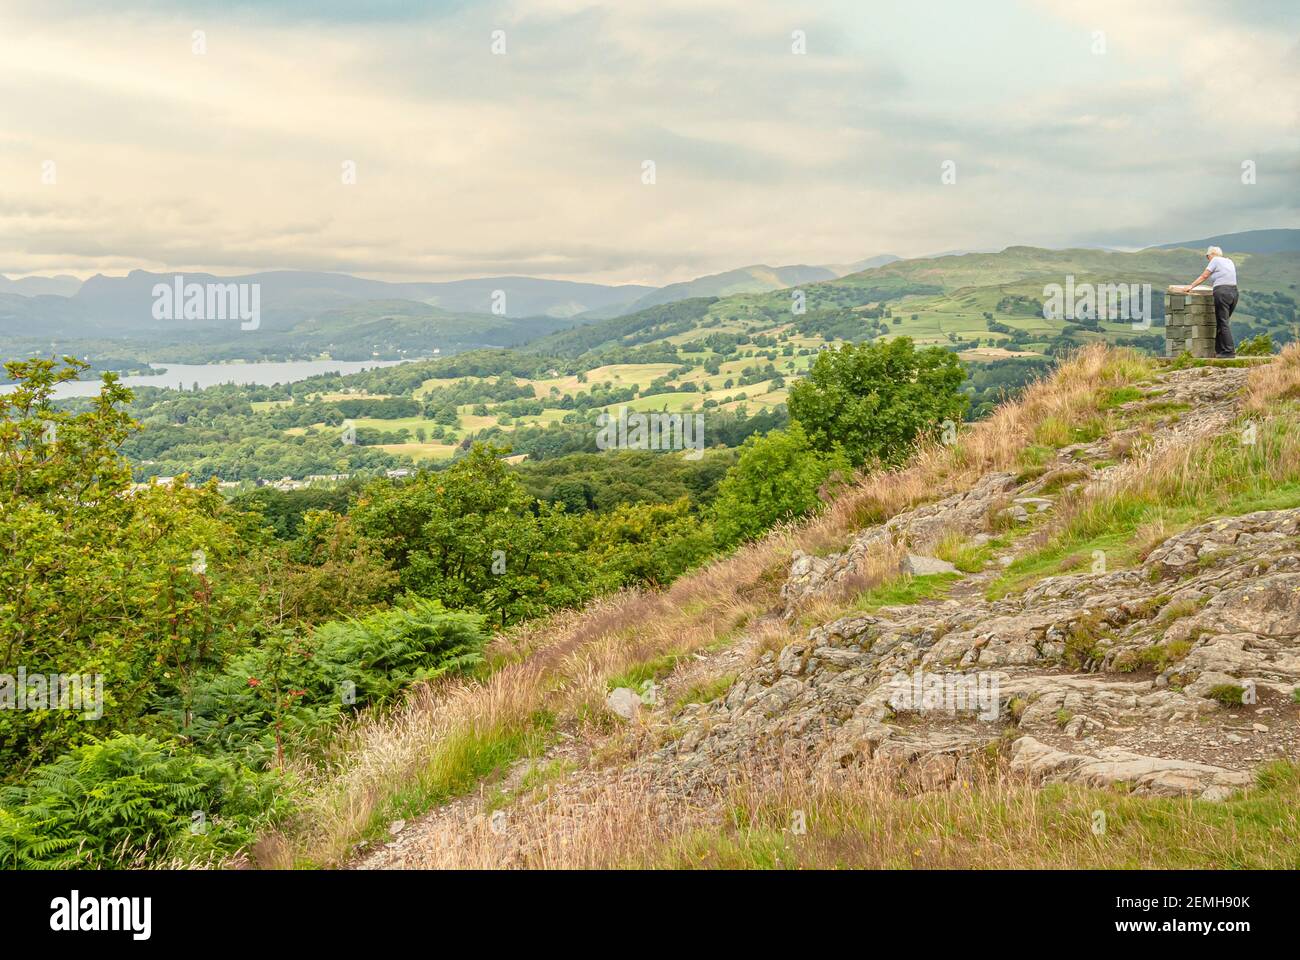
{"x":1222,"y":274}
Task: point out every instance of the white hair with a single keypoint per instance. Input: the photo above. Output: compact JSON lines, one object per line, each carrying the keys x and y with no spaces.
{"x":1214,"y":252}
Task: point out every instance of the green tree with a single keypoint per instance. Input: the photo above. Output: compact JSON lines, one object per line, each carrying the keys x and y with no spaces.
{"x":472,"y":537}
{"x":647,"y":544}
{"x":872,"y":400}
{"x":778,"y":477}
{"x":141,"y":588}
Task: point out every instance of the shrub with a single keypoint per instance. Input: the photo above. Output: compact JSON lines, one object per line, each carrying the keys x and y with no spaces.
{"x":1228,"y":694}
{"x":1259,"y":346}
{"x":777,"y":478}
{"x":292,"y":686}
{"x":873,"y":400}
{"x":129,"y":800}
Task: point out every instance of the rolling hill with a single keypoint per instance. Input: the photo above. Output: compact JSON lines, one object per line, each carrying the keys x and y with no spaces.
{"x":1249,"y":241}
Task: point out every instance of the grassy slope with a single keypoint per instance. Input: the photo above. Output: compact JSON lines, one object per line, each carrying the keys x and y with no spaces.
{"x":553,"y":674}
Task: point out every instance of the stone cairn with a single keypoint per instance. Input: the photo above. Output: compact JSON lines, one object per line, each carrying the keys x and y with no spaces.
{"x":1189,"y":322}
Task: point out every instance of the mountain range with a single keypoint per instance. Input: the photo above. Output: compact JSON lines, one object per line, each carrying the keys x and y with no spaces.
{"x":349,"y":317}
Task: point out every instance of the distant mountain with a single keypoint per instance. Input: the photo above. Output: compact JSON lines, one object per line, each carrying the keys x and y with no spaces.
{"x":301,"y":314}
{"x":304,"y":314}
{"x":42,"y":317}
{"x":1248,"y":241}
{"x":526,"y":296}
{"x":756,"y":279}
{"x":844,"y":269}
{"x":62,"y":285}
{"x":938,"y":300}
{"x":288,"y":296}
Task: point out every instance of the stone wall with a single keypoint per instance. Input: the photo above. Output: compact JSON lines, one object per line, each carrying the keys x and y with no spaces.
{"x":1189,"y":322}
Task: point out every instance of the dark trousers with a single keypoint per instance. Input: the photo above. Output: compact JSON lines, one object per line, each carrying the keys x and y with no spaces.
{"x":1225,"y":301}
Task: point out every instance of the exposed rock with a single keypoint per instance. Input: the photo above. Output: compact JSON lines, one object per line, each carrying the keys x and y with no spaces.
{"x":625,"y":702}
{"x":1056,"y":662}
{"x":1033,"y":504}
{"x":919,"y":566}
{"x":964,"y":513}
{"x":1157,"y":776}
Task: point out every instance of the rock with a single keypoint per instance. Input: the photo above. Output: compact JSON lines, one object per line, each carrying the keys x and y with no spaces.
{"x":625,"y":702}
{"x":396,"y":827}
{"x":1154,"y":776}
{"x":1033,"y":504}
{"x":1067,"y":662}
{"x":1227,"y":654}
{"x":1208,"y":680}
{"x":964,"y":513}
{"x":1217,"y":793}
{"x":1267,"y":607}
{"x":919,"y":566}
{"x":1080,"y":726}
{"x":792,"y":659}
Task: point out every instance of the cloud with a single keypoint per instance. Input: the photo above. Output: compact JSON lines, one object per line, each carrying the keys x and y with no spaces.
{"x":472,"y":164}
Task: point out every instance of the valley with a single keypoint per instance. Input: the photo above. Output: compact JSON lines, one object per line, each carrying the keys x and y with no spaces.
{"x":732,"y":358}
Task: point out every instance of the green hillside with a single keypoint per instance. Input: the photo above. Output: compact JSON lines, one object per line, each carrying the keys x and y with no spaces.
{"x":733,"y":358}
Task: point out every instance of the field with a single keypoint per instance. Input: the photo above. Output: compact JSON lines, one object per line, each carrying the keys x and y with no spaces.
{"x":739,"y":355}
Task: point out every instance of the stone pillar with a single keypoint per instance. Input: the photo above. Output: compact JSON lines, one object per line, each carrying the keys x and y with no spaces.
{"x":1189,"y":322}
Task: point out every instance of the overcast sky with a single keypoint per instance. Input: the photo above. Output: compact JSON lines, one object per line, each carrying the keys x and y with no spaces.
{"x":1106,"y":122}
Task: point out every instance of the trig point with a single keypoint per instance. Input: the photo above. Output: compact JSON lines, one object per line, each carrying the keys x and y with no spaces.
{"x":1189,"y":317}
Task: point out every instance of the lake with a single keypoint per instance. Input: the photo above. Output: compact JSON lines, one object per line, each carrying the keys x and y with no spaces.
{"x":211,"y":374}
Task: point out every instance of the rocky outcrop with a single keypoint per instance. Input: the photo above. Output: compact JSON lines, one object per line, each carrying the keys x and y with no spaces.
{"x":920,"y":528}
{"x":1173,"y":678}
{"x":1110,"y":766}
{"x":1095,"y":677}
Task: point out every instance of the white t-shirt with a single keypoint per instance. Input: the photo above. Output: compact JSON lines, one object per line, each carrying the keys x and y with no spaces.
{"x":1223,"y":272}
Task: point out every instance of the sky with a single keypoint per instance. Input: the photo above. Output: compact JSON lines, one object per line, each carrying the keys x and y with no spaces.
{"x":495,"y":138}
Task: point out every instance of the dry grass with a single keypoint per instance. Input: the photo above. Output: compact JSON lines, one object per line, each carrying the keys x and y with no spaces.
{"x":860,"y":819}
{"x":446,"y":737}
{"x":785,"y":815}
{"x":1069,"y":396}
{"x":1182,"y":481}
{"x":1271,"y":382}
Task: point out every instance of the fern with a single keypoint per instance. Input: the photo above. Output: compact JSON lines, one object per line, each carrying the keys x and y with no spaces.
{"x":128,"y":799}
{"x":375,"y":657}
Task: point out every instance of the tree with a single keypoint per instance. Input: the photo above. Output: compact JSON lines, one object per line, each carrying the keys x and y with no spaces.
{"x":872,"y":400}
{"x":778,"y":477}
{"x":649,"y":543}
{"x":142,"y":588}
{"x":472,"y":537}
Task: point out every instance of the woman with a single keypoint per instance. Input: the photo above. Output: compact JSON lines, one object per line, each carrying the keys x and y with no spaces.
{"x":1222,"y":274}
